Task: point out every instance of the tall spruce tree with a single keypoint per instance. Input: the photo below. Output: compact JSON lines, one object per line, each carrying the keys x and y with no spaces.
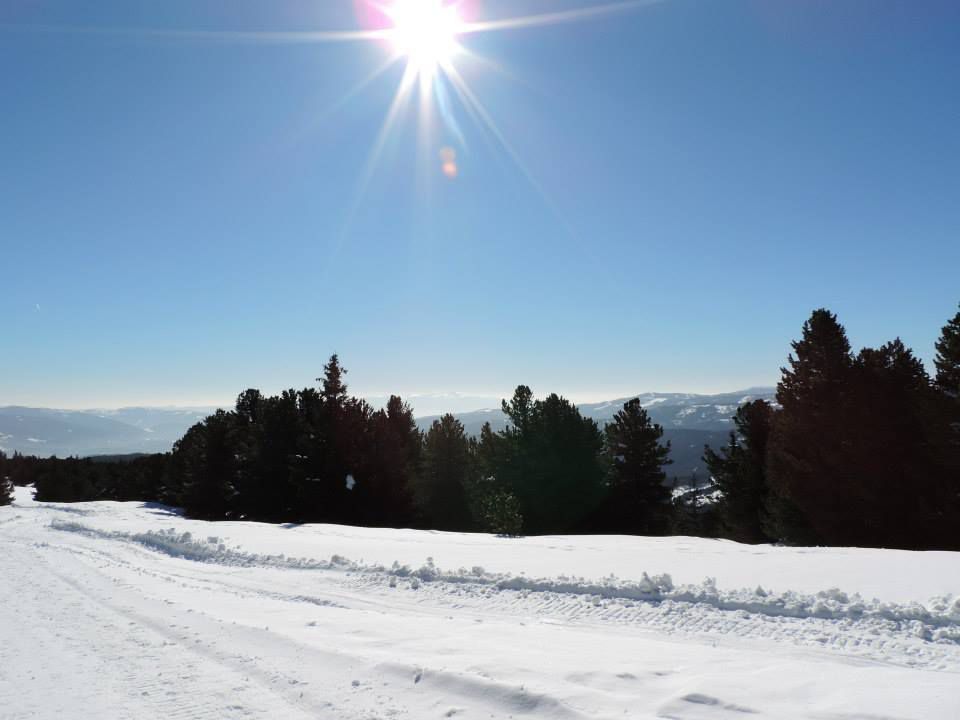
{"x":334,"y":388}
{"x":340,"y":426}
{"x":442,"y":486}
{"x":388,"y":467}
{"x":6,"y":483}
{"x":947,"y":360}
{"x":947,"y":424}
{"x":739,"y":470}
{"x":806,"y":460}
{"x":638,"y":501}
{"x":494,"y":506}
{"x":890,"y":478}
{"x":550,"y":459}
{"x":209,"y":467}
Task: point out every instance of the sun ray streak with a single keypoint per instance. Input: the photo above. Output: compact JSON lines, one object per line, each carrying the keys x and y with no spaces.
{"x":400,"y":98}
{"x":306,"y":128}
{"x":359,"y":87}
{"x":324,"y":36}
{"x":471,"y":100}
{"x":227,"y":36}
{"x":556,"y":18}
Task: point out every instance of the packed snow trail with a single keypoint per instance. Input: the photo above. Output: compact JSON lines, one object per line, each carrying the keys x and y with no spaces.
{"x":126,"y":610}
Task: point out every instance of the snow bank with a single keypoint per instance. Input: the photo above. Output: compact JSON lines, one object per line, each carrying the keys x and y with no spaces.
{"x":937,"y":621}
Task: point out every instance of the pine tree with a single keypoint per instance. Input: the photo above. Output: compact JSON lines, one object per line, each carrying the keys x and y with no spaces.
{"x":806,"y":460}
{"x":638,"y":500}
{"x":821,"y":369}
{"x":549,"y":458}
{"x":6,"y":484}
{"x":248,"y":406}
{"x":388,"y":468}
{"x":500,"y":513}
{"x":947,"y":360}
{"x":739,"y":471}
{"x":334,"y":389}
{"x":208,"y":467}
{"x":441,"y":488}
{"x":890,"y":463}
{"x":336,"y":442}
{"x":488,"y":452}
{"x":947,"y":425}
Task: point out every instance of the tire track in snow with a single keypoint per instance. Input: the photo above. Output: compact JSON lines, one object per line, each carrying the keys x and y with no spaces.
{"x":909,"y":635}
{"x":172,"y":667}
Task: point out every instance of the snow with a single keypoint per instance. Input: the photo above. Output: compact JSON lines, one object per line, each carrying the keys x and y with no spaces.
{"x":117,"y":610}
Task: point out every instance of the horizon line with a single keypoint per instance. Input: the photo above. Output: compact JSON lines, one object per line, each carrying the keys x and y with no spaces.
{"x":367,"y":396}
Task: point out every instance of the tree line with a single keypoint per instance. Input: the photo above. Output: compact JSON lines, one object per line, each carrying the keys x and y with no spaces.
{"x":859,"y":449}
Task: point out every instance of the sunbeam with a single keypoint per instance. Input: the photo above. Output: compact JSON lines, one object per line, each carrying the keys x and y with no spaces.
{"x":556,"y":18}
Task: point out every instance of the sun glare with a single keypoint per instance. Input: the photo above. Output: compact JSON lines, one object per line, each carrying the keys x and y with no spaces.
{"x":425,"y":32}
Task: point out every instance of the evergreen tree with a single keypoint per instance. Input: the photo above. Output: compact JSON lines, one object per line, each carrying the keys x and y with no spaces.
{"x":947,"y":424}
{"x":858,"y":454}
{"x":806,"y":461}
{"x":6,"y":484}
{"x":550,"y":460}
{"x":500,"y":512}
{"x":820,"y":371}
{"x":208,"y":467}
{"x":442,"y":487}
{"x":334,"y":389}
{"x":638,"y":501}
{"x":336,"y":443}
{"x":404,"y":428}
{"x":65,"y":480}
{"x":947,"y":360}
{"x":490,"y":455}
{"x":248,"y":406}
{"x":389,"y":462}
{"x":899,"y":455}
{"x":739,"y":471}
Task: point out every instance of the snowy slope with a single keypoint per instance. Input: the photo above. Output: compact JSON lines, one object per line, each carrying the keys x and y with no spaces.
{"x":116,"y":610}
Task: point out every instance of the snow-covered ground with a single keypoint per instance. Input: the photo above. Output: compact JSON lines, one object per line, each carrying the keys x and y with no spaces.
{"x":125,"y":610}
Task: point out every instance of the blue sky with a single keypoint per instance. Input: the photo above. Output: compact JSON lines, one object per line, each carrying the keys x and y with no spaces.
{"x":184,"y":216}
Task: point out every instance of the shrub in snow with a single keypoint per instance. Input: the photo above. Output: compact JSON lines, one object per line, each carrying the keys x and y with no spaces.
{"x":500,"y":513}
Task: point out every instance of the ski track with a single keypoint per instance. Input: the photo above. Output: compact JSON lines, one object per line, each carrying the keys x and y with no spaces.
{"x":158,"y":624}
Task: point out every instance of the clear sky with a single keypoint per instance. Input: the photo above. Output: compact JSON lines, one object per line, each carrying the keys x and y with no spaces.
{"x":194,"y":201}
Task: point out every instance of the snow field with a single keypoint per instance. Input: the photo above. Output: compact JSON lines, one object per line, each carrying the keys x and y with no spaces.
{"x":116,"y":610}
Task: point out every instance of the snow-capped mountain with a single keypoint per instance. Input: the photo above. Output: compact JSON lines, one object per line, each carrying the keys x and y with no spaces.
{"x":690,"y":421}
{"x":671,"y":410}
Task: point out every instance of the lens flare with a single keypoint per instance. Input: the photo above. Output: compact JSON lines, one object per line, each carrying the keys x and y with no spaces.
{"x":448,"y":163}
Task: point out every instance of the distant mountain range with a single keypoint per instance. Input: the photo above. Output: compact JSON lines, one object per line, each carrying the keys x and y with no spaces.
{"x":671,"y":410}
{"x":44,"y":432}
{"x":689,"y":421}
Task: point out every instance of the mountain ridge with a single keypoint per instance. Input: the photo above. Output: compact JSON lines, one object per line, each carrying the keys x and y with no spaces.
{"x":690,"y":420}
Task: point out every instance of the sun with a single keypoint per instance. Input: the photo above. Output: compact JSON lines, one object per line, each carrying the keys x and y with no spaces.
{"x":425,"y":32}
